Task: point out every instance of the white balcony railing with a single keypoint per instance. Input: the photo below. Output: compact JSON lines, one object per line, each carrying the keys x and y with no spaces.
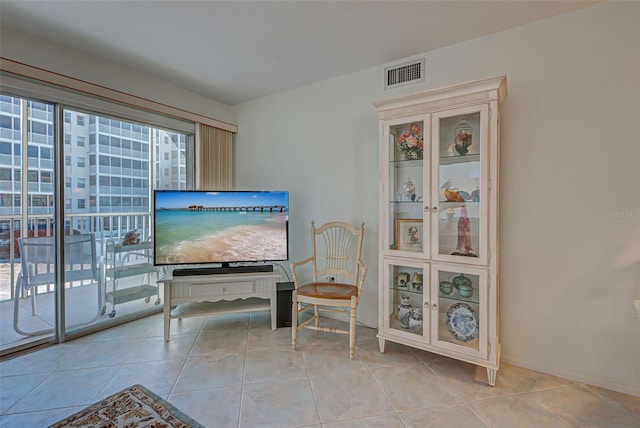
{"x":104,"y":226}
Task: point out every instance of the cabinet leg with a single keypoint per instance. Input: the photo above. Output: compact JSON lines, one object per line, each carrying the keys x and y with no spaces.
{"x":491,"y":374}
{"x":381,"y":345}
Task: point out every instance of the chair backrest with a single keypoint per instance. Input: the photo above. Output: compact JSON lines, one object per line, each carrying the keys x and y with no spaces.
{"x":37,"y":259}
{"x":337,"y":251}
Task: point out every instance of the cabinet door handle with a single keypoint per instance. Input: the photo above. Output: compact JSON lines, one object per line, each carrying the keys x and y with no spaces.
{"x":434,"y":306}
{"x":426,"y":208}
{"x":434,"y":209}
{"x":426,"y":305}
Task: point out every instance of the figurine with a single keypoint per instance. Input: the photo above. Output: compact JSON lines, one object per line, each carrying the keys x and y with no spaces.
{"x":452,"y":195}
{"x":462,"y":138}
{"x":131,"y":238}
{"x":415,"y":322}
{"x":409,"y":190}
{"x":464,"y":246}
{"x":404,"y":310}
{"x":402,"y":280}
{"x":416,"y":282}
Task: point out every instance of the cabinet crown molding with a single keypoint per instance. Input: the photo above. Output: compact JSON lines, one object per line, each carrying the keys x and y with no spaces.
{"x":494,"y":88}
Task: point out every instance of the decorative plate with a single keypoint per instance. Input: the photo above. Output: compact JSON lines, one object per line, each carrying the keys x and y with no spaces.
{"x":462,"y":322}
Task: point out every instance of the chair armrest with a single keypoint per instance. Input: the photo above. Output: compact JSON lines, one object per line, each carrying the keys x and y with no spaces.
{"x":295,"y":265}
{"x":300,"y":263}
{"x":362,"y":270}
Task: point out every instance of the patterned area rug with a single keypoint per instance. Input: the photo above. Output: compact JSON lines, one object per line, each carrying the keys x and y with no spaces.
{"x":135,"y":406}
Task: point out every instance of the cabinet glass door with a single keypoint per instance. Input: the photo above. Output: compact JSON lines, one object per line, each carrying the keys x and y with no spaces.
{"x":407,"y":230}
{"x":459,"y":198}
{"x":458,"y":310}
{"x":405,"y":297}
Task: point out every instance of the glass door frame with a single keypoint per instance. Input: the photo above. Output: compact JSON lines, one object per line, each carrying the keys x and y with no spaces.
{"x":389,"y":199}
{"x":389,"y":263}
{"x":483,"y":306}
{"x":484,"y":188}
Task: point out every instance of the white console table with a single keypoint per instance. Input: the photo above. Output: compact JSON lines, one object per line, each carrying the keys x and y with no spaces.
{"x":200,"y":295}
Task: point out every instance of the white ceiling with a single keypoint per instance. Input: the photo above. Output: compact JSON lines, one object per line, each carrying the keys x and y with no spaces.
{"x":235,"y":51}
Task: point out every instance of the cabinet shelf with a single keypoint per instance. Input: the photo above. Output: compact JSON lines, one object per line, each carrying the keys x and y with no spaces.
{"x":405,"y":163}
{"x":454,"y":204}
{"x":457,"y":298}
{"x":408,"y":202}
{"x":451,"y":160}
{"x":407,"y":290}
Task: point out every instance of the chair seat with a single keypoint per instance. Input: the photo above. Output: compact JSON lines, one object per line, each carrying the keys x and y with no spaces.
{"x":328,"y":290}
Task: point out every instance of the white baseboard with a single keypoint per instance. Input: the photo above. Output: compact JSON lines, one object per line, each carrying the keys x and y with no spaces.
{"x":577,"y":377}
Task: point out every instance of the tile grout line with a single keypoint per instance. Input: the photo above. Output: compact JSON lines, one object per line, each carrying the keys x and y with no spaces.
{"x":244,"y":372}
{"x":184,"y":363}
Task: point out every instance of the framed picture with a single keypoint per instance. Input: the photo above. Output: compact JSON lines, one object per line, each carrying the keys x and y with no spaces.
{"x":409,"y":234}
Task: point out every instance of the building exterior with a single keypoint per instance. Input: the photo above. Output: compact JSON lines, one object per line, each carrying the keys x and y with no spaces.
{"x":106,"y":161}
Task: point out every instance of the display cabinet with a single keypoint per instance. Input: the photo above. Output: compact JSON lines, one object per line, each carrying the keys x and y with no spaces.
{"x":439,"y":221}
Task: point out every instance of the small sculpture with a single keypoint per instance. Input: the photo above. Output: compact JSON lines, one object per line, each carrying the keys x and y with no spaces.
{"x":131,"y":238}
{"x":404,"y":310}
{"x":416,"y":282}
{"x":453,"y":196}
{"x":462,"y":138}
{"x":464,"y":246}
{"x":409,"y":190}
{"x":450,"y":194}
{"x":415,"y":322}
{"x":402,"y":279}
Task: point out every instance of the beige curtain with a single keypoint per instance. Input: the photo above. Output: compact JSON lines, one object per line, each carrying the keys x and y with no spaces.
{"x":215,"y":158}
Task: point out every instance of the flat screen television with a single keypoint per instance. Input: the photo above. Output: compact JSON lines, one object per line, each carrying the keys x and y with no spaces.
{"x":195,"y":227}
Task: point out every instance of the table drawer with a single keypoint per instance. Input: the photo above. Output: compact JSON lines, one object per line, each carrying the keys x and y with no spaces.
{"x":220,"y":290}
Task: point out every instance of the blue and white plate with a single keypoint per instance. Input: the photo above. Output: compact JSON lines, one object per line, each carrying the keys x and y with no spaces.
{"x":462,"y":322}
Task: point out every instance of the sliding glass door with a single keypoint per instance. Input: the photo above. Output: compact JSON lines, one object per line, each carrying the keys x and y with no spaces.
{"x":109,"y":175}
{"x":88,"y":178}
{"x":27,"y":195}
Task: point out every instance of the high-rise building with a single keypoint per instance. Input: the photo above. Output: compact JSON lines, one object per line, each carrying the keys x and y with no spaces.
{"x":106,"y":161}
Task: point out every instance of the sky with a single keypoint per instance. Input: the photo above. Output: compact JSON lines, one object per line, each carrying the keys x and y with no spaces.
{"x":182,"y":199}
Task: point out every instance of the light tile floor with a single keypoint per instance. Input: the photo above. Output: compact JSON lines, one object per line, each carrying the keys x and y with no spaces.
{"x":234,"y":371}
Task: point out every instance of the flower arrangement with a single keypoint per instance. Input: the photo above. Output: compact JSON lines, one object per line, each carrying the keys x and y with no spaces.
{"x":411,"y":143}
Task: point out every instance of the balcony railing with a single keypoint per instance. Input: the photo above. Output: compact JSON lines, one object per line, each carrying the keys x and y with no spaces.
{"x":104,"y":226}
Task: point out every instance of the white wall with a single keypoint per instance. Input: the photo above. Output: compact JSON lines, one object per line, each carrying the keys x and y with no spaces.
{"x":31,"y":50}
{"x":570,"y":182}
{"x":570,"y":159}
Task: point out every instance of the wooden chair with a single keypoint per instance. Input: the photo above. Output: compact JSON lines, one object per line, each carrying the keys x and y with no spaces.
{"x":337,"y":277}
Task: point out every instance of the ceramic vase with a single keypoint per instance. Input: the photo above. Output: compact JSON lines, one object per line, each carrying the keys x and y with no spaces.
{"x":404,"y":311}
{"x":415,"y":322}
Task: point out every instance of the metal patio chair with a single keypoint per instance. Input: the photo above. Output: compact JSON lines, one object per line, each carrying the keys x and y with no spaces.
{"x":37,"y":268}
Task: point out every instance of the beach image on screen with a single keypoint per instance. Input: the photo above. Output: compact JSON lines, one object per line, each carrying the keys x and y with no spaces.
{"x":220,"y":227}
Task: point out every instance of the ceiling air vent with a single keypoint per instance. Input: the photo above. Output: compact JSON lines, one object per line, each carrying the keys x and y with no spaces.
{"x":404,"y":74}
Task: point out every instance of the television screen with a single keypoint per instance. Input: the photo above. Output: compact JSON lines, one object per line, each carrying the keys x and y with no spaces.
{"x":210,"y":227}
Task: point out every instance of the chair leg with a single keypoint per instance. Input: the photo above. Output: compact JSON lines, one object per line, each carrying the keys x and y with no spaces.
{"x":315,"y":313}
{"x":34,"y":309}
{"x":294,"y":319}
{"x":352,"y":328}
